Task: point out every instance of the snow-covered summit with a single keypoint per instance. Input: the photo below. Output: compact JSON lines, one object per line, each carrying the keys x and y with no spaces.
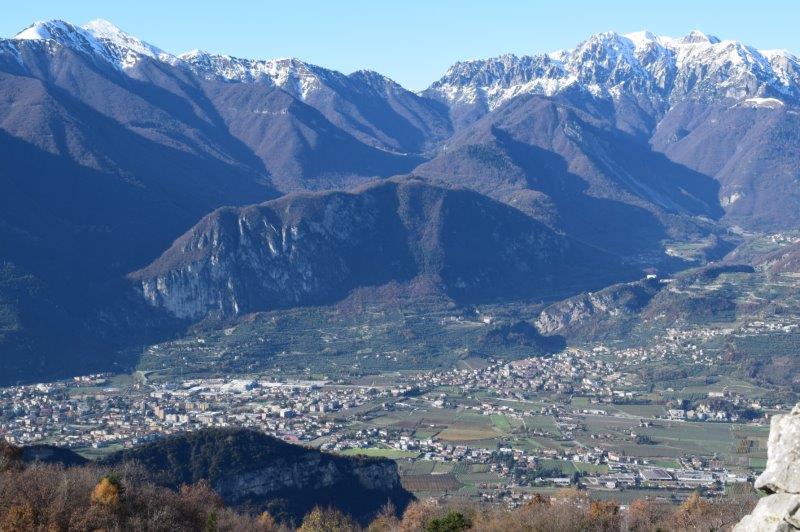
{"x":297,"y":77}
{"x":103,"y":41}
{"x":99,"y":38}
{"x":112,"y":36}
{"x":698,"y":37}
{"x":660,"y":68}
{"x":62,"y":33}
{"x":294,"y":76}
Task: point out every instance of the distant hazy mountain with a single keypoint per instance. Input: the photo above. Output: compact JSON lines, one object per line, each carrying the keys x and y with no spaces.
{"x":113,"y":148}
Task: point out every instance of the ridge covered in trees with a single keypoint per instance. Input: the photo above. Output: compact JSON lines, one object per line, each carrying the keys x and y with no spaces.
{"x":125,"y":495}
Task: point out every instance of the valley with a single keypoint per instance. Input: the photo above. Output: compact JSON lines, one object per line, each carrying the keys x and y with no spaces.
{"x":657,"y":395}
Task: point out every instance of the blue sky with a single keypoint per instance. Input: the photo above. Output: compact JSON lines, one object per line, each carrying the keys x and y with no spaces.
{"x":411,"y":41}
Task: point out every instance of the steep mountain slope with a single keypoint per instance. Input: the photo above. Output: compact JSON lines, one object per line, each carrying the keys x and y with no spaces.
{"x":112,"y":148}
{"x":751,"y":147}
{"x":249,"y":468}
{"x":299,"y":146}
{"x":364,"y":112}
{"x":100,"y":173}
{"x":605,"y":312}
{"x":717,"y":107}
{"x":619,"y":310}
{"x":365,"y":104}
{"x":565,"y":163}
{"x":314,"y":248}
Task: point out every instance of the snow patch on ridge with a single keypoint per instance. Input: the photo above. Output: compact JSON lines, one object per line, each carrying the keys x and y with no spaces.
{"x":768,"y":103}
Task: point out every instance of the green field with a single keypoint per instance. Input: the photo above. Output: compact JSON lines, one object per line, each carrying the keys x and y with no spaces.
{"x":394,"y":454}
{"x":501,"y":422}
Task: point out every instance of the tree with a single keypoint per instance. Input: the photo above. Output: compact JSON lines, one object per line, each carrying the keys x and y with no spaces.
{"x":386,"y":520}
{"x":107,"y":492}
{"x":328,"y":520}
{"x":10,"y":455}
{"x":268,"y":522}
{"x":646,"y":515}
{"x":417,"y":514}
{"x":19,"y":517}
{"x":604,"y":515}
{"x":451,"y":522}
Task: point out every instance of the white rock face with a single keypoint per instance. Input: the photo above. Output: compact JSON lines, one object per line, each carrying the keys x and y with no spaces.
{"x":779,"y":511}
{"x":776,"y":513}
{"x":782,"y":474}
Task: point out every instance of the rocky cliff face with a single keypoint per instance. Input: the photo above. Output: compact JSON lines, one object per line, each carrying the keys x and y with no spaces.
{"x":597,"y":309}
{"x":780,"y":509}
{"x":315,"y":471}
{"x":309,"y":249}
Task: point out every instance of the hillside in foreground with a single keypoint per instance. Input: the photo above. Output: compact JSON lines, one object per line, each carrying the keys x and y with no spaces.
{"x":184,"y":483}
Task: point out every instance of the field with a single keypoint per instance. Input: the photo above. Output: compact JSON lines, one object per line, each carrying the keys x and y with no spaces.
{"x":427,"y":477}
{"x":673,"y":439}
{"x":380,"y":453}
{"x":430,"y":483}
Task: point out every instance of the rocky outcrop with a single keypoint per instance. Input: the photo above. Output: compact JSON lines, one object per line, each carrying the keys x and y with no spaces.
{"x":779,"y":511}
{"x":596,"y":309}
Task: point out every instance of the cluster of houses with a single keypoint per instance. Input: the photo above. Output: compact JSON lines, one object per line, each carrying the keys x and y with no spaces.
{"x":84,"y":413}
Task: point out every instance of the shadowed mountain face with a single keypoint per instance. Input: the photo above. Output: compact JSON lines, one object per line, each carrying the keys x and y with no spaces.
{"x":299,"y":146}
{"x":250,"y":469}
{"x":752,"y":148}
{"x":106,"y":163}
{"x":310,"y":249}
{"x":576,"y":172}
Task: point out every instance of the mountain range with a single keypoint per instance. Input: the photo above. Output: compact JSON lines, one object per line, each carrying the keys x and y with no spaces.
{"x":129,"y":171}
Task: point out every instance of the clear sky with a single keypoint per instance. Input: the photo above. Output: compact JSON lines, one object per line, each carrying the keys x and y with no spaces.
{"x":411,"y":41}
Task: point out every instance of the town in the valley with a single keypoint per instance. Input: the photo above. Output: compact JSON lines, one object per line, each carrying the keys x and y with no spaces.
{"x":496,"y":430}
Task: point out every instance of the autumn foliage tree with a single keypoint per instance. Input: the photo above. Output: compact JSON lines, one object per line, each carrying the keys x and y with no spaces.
{"x":107,"y":492}
{"x":327,"y":520}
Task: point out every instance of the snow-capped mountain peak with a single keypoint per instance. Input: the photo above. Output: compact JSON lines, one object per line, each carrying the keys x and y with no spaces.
{"x":697,"y":37}
{"x":112,"y":36}
{"x":660,"y":68}
{"x":99,"y":39}
{"x":61,"y":32}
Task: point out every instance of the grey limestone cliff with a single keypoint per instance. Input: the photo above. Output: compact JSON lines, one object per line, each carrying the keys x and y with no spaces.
{"x":779,"y":511}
